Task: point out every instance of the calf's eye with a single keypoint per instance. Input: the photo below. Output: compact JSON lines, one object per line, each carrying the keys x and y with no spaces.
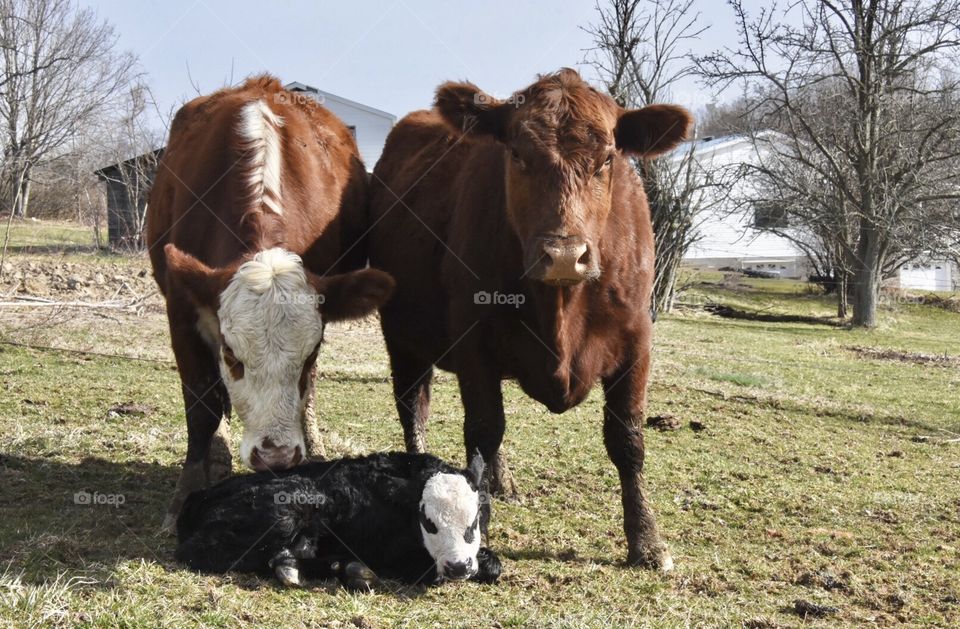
{"x":427,"y":523}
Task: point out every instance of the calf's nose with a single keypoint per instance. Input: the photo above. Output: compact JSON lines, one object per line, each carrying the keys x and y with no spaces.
{"x":458,"y":569}
{"x":268,"y":456}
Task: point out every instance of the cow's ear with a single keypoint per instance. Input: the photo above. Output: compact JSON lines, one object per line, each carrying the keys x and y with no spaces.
{"x":352,"y":295}
{"x":652,"y":130}
{"x":201,"y":282}
{"x":470,"y":110}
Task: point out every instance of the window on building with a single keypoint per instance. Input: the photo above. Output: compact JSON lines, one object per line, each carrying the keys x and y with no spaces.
{"x":769,"y":216}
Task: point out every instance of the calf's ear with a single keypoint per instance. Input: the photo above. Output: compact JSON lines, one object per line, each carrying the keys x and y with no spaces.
{"x":652,"y":130}
{"x":470,"y":110}
{"x":476,"y":467}
{"x":352,"y":295}
{"x":202,"y":283}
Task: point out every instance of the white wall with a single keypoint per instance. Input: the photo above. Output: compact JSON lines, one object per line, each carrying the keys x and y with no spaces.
{"x":727,"y":232}
{"x":934,"y":275}
{"x":371,"y":129}
{"x":371,"y":125}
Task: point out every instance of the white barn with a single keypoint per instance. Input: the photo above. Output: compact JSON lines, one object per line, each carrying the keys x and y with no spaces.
{"x":370,"y":126}
{"x":731,"y":238}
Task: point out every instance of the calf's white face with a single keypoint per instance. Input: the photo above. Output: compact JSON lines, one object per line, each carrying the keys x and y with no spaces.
{"x":450,"y":524}
{"x":270,"y":329}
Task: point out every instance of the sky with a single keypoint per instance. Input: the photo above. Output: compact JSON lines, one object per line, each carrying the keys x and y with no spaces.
{"x":388,"y":54}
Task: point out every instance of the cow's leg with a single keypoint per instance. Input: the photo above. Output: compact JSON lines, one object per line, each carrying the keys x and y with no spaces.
{"x":311,"y":434}
{"x":411,"y":392}
{"x":484,"y":421}
{"x":206,"y":402}
{"x":625,"y":400}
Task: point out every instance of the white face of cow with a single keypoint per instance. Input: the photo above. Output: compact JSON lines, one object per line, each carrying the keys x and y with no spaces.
{"x":270,"y":330}
{"x":450,"y":524}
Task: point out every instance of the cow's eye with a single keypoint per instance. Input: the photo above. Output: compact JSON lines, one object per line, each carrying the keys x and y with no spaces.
{"x":232,"y":362}
{"x":427,"y":523}
{"x":605,"y":165}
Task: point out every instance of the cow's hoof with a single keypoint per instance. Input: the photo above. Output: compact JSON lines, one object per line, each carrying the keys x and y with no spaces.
{"x":502,"y":485}
{"x":356,"y":576}
{"x":656,"y":558}
{"x":289,"y":576}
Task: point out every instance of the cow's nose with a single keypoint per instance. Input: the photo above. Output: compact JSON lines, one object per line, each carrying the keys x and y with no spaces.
{"x":458,"y":569}
{"x":268,"y":456}
{"x":568,"y":260}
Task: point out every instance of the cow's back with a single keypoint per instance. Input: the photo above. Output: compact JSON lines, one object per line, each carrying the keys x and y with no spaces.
{"x":201,"y":199}
{"x":413,"y":194}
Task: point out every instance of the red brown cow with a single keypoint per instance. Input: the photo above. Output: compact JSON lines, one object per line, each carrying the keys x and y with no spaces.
{"x":258,"y":191}
{"x":519,"y":236}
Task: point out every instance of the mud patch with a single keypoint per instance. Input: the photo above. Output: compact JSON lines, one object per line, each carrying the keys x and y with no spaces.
{"x":916,"y":358}
{"x":729,"y":312}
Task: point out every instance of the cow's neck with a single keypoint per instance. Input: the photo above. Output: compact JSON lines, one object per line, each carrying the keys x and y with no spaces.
{"x":559,"y":316}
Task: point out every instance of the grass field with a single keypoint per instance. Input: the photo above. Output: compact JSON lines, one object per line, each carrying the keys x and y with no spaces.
{"x":43,"y":236}
{"x":827,"y":472}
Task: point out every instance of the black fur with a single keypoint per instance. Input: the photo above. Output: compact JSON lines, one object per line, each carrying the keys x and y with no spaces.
{"x":354,"y":509}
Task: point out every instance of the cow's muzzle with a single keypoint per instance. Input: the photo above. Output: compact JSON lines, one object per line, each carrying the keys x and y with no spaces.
{"x":268,"y":456}
{"x":563,"y":260}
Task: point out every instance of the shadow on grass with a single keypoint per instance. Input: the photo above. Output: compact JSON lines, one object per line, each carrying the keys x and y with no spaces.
{"x":525,"y":554}
{"x":57,"y":516}
{"x":81,"y":519}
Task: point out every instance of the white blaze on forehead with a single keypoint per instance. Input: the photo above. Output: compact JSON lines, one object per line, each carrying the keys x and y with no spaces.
{"x":269,"y":318}
{"x":452,"y":505}
{"x":259,"y":131}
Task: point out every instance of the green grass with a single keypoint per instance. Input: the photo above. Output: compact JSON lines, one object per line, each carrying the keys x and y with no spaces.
{"x":816,"y":463}
{"x":42,"y":236}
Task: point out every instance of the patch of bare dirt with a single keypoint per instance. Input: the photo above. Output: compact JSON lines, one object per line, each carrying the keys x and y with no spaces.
{"x":876,"y":353}
{"x":99,"y":280}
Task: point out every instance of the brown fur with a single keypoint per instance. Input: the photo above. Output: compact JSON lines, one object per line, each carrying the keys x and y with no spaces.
{"x":202,"y":224}
{"x":487,"y":182}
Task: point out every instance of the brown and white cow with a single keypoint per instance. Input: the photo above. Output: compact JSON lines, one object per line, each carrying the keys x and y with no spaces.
{"x":519,"y":235}
{"x":259,"y":194}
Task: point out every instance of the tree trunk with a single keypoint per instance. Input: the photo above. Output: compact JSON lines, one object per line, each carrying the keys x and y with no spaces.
{"x":664,"y":288}
{"x":20,"y":194}
{"x":843,"y":294}
{"x":866,"y":288}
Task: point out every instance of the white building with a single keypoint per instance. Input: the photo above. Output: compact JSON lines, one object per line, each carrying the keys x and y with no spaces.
{"x":729,"y":236}
{"x":370,"y":126}
{"x":930,"y":275}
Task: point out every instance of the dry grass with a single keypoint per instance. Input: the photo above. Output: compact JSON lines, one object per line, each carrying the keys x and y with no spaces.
{"x":822,"y":476}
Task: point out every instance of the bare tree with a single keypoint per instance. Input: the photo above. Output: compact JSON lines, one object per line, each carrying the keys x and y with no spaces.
{"x":640,"y":53}
{"x":60,"y":70}
{"x":871,"y":142}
